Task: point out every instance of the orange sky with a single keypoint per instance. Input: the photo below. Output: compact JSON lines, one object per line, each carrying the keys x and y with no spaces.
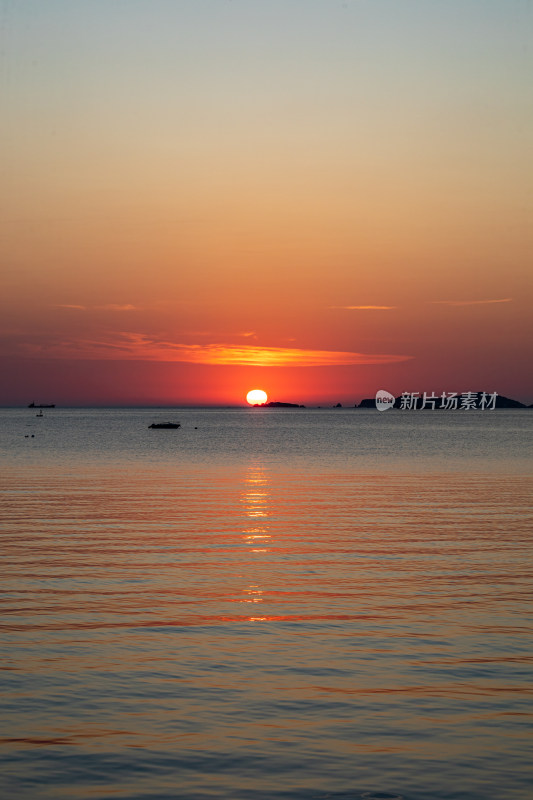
{"x":318,"y":200}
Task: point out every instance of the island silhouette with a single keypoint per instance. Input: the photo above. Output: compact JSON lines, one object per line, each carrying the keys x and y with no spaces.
{"x":276,"y":404}
{"x":501,"y":402}
{"x":370,"y":402}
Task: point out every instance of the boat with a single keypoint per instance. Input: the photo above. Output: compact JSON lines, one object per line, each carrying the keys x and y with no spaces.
{"x":165,"y":425}
{"x":43,"y":405}
{"x":40,"y":414}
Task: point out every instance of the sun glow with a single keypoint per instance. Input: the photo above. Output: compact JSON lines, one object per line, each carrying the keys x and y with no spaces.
{"x":256,"y":397}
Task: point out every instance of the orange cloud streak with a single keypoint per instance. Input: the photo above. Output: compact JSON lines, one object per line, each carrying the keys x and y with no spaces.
{"x":134,"y":346}
{"x":472,"y":302}
{"x":365,"y":308}
{"x":106,"y":307}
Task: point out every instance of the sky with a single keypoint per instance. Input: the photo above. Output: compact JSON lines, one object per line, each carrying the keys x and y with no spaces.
{"x":315,"y":198}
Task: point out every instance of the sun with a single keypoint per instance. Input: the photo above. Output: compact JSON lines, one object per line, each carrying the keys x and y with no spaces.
{"x":256,"y":397}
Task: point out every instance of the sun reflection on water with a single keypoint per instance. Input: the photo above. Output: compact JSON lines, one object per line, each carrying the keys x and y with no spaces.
{"x":255,"y":498}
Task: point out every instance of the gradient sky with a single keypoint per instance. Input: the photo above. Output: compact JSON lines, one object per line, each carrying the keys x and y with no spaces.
{"x":312,"y":197}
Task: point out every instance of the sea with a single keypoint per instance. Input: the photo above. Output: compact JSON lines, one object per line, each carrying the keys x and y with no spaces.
{"x":281,"y":604}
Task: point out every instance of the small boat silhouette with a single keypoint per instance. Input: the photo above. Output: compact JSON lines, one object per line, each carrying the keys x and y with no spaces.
{"x":40,"y":414}
{"x":165,"y":425}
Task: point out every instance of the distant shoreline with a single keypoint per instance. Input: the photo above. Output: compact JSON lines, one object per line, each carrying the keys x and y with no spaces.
{"x":359,"y":407}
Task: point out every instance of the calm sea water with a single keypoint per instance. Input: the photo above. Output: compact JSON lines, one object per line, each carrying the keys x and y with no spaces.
{"x":266,"y":604}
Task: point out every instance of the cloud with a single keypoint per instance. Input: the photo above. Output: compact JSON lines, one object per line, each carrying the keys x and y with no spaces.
{"x":136,"y":346}
{"x":220,"y":334}
{"x":471,"y":302}
{"x":106,"y":307}
{"x":365,"y":308}
{"x":117,"y":307}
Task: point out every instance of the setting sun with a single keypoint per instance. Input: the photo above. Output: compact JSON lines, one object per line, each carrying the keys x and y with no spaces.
{"x":256,"y":397}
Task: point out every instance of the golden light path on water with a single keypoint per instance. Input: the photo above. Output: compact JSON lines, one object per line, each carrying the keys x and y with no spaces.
{"x":255,"y":499}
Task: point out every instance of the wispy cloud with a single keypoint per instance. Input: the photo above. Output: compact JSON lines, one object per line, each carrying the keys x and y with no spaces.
{"x":136,"y":346}
{"x":117,"y":307}
{"x":364,"y":308}
{"x":106,"y":307}
{"x":218,"y":334}
{"x":471,"y":302}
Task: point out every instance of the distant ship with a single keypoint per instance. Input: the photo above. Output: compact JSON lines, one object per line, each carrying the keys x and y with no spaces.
{"x":42,"y":405}
{"x":165,"y":425}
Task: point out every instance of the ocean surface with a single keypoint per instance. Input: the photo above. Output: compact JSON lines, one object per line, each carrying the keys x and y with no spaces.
{"x":272,"y":604}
